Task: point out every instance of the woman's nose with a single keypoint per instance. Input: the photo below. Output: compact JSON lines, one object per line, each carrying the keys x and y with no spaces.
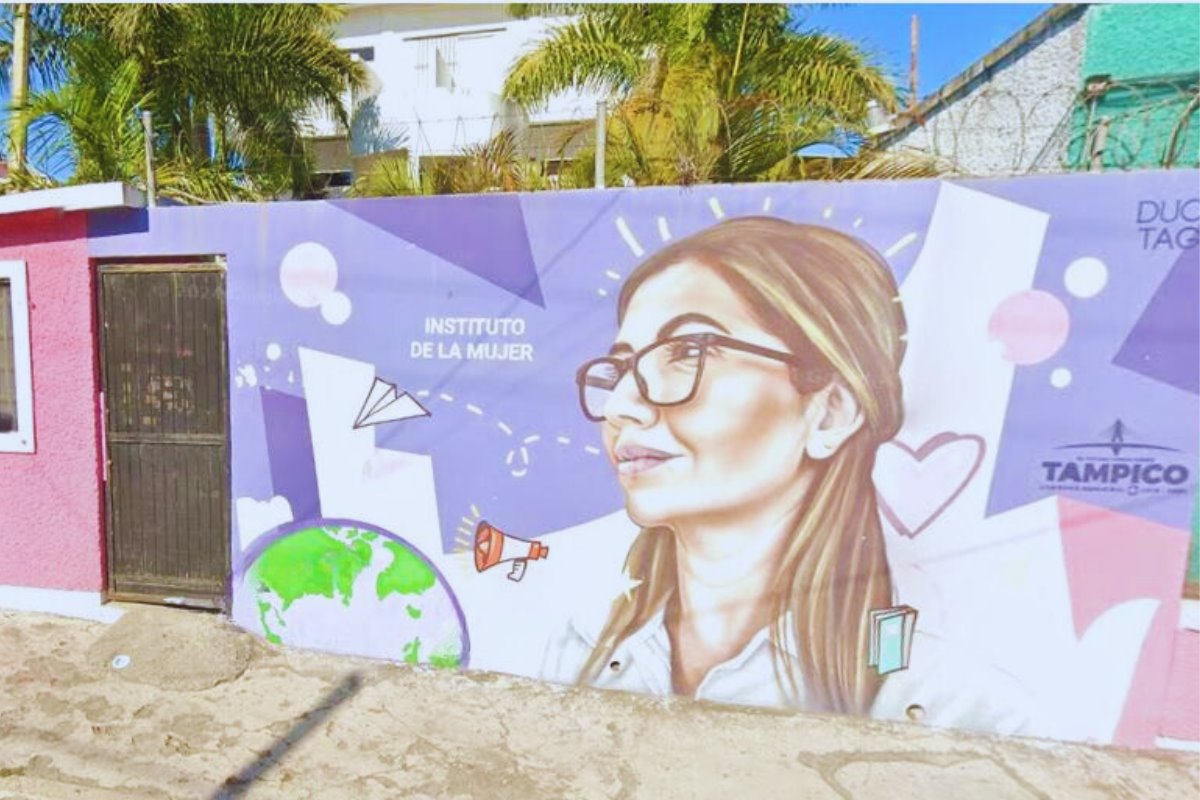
{"x":626,"y":404}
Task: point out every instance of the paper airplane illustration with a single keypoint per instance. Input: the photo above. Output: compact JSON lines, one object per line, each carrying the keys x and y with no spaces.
{"x":387,"y":403}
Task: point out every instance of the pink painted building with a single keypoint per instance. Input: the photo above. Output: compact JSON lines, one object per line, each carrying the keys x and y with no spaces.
{"x":51,"y":479}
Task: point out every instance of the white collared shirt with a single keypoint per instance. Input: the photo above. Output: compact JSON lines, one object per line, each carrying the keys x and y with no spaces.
{"x":943,"y":686}
{"x":642,"y":663}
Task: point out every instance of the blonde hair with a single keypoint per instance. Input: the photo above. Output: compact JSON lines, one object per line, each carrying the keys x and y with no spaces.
{"x":813,"y":287}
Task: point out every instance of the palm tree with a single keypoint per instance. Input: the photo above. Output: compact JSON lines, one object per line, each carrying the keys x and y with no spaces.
{"x":90,"y":127}
{"x":704,"y":92}
{"x":45,"y":62}
{"x":28,"y":34}
{"x":92,"y":130}
{"x":231,"y":90}
{"x":388,"y":176}
{"x":496,"y":165}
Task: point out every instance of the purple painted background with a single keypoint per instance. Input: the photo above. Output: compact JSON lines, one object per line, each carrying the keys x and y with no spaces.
{"x":547,"y":257}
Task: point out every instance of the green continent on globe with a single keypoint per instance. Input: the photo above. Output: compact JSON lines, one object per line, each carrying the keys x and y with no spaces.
{"x":263,"y":608}
{"x":326,"y":562}
{"x":446,"y":657}
{"x":407,"y":574}
{"x":312,"y":562}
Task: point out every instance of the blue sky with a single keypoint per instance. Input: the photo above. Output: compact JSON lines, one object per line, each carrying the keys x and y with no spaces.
{"x":952,"y":35}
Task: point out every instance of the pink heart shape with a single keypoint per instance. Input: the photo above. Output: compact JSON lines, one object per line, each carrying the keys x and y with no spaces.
{"x":915,"y":486}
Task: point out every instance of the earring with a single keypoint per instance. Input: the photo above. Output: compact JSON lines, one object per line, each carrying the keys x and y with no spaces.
{"x":820,"y":446}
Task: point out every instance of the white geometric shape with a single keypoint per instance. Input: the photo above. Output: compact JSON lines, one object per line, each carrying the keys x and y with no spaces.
{"x":1086,"y":277}
{"x":1060,"y":378}
{"x":978,"y":250}
{"x":256,"y":517}
{"x":391,"y":489}
{"x":248,"y":375}
{"x":1094,"y":698}
{"x":1189,"y":615}
{"x":583,"y":573}
{"x":335,"y":308}
{"x":631,"y":241}
{"x":901,"y":243}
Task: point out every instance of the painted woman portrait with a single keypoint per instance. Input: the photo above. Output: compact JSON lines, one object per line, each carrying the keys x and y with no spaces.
{"x":754,"y":374}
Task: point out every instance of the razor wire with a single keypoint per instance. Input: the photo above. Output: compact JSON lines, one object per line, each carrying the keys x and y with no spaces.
{"x":1108,"y":124}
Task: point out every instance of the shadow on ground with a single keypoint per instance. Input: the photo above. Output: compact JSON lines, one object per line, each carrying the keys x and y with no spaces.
{"x":237,"y":785}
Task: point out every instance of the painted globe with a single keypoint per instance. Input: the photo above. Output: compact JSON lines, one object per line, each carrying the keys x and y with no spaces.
{"x":352,"y":588}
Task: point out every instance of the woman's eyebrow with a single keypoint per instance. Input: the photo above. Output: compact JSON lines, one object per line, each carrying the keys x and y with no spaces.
{"x":675,"y":323}
{"x":669,"y":327}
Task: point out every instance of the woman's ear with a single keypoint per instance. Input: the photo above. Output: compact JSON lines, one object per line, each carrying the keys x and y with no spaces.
{"x":836,"y":416}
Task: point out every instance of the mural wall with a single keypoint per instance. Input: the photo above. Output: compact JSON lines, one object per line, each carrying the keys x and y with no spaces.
{"x":920,"y":450}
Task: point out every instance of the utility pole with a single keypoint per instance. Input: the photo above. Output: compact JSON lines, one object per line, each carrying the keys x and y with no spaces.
{"x":601,"y":132}
{"x":151,"y":183}
{"x":20,"y":83}
{"x":912,"y":66}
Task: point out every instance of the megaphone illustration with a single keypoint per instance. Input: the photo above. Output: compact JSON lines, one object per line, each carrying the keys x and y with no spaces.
{"x":493,"y":546}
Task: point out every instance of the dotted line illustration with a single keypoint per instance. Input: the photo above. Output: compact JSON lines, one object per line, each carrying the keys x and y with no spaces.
{"x":519,"y":457}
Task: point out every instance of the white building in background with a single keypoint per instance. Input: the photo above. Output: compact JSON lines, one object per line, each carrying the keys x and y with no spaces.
{"x":436,"y":74}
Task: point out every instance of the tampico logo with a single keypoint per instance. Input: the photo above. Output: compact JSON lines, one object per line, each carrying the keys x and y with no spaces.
{"x":1120,"y":461}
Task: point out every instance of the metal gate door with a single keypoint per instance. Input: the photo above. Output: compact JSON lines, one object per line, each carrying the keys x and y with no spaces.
{"x":166,"y":397}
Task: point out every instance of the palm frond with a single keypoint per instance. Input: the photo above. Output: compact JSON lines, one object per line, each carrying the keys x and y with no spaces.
{"x":704,"y":91}
{"x":895,"y":165}
{"x":198,"y":182}
{"x":821,"y":74}
{"x":386,"y":176}
{"x":527,"y":10}
{"x":760,"y":136}
{"x":47,"y":44}
{"x":590,"y":54}
{"x":90,"y":127}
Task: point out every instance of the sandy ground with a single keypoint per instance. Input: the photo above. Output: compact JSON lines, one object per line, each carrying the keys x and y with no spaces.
{"x":203,"y":710}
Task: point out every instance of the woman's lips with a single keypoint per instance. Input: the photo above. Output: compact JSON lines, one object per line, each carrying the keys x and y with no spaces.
{"x":633,"y":459}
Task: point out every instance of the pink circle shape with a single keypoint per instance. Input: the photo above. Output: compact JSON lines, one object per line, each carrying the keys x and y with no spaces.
{"x":1031,"y":325}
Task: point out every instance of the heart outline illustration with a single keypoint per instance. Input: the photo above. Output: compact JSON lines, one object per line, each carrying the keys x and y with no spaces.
{"x":917,"y":457}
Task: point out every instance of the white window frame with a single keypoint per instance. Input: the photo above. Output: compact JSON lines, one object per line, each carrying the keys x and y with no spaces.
{"x":21,"y":440}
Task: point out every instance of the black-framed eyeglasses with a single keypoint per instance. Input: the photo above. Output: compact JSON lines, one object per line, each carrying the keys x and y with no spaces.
{"x":667,"y":372}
